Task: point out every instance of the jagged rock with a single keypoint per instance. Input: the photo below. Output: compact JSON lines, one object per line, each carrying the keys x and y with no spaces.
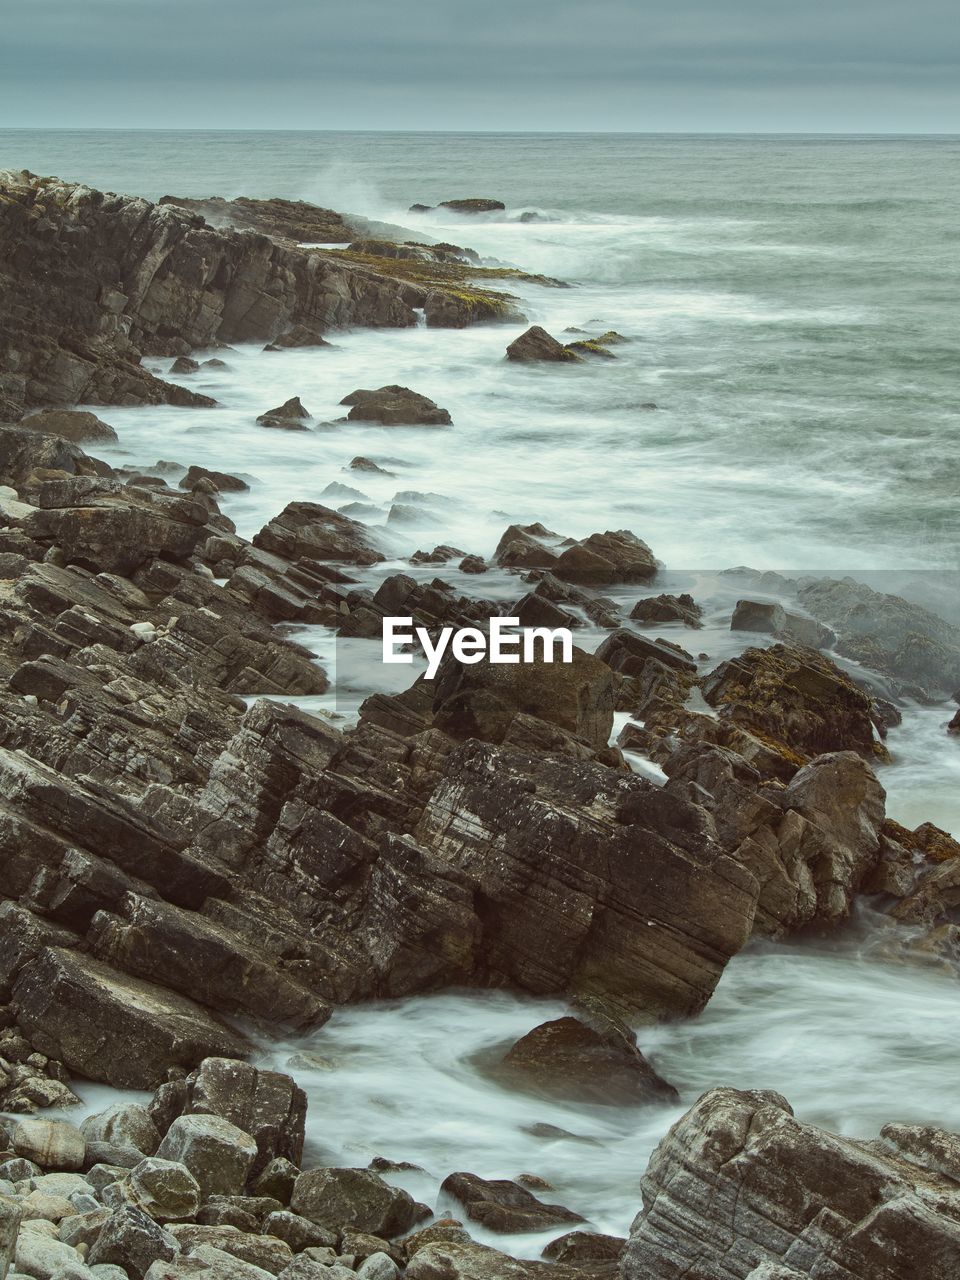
{"x":268,"y":1254}
{"x":365,"y":464}
{"x":71,"y":424}
{"x":357,"y":1198}
{"x":601,"y":559}
{"x":654,"y":610}
{"x":454,"y":1260}
{"x":24,"y":452}
{"x":217,"y":1153}
{"x":296,"y":220}
{"x":225,"y":482}
{"x":587,"y":1063}
{"x":738,"y":1182}
{"x":504,"y":1206}
{"x":185,"y":364}
{"x":288,"y":416}
{"x":299,"y":1233}
{"x":596,"y":1254}
{"x":395,"y":406}
{"x":538,"y":345}
{"x":306,"y":530}
{"x":111,"y":1027}
{"x":477,"y":564}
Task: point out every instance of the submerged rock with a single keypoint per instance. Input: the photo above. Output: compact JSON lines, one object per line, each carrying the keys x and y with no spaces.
{"x":654,"y":610}
{"x":474,"y":204}
{"x":288,"y":416}
{"x":503,"y":1206}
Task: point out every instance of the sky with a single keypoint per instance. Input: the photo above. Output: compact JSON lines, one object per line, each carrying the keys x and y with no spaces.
{"x":881,"y":66}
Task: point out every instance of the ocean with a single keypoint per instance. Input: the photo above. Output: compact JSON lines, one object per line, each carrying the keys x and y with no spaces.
{"x":790,"y":305}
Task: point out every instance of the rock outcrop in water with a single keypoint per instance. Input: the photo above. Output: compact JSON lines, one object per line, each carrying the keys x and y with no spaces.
{"x":739,"y":1188}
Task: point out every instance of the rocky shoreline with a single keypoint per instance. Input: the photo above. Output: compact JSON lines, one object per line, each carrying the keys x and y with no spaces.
{"x":185,"y":855}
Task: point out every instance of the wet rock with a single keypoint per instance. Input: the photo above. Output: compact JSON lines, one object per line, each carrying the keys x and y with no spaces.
{"x":596,"y":1254}
{"x":225,"y":482}
{"x":888,"y":633}
{"x":288,"y":416}
{"x":475,"y":204}
{"x":357,"y":1198}
{"x":71,"y":424}
{"x":185,"y":364}
{"x":306,"y":530}
{"x":217,"y":1153}
{"x":755,"y":615}
{"x":796,"y":701}
{"x":295,"y":220}
{"x":111,"y":1027}
{"x":300,"y":337}
{"x":52,"y":1144}
{"x":538,"y":345}
{"x":655,"y":610}
{"x":738,"y":1182}
{"x":395,"y":406}
{"x":601,"y":559}
{"x":132,"y":1240}
{"x":500,"y":1205}
{"x":477,"y":564}
{"x":570,"y":1058}
{"x":365,"y":464}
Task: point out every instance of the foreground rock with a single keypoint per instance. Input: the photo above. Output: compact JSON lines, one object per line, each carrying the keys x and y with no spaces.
{"x":739,"y":1183}
{"x":395,"y":406}
{"x":71,"y":424}
{"x":295,"y":220}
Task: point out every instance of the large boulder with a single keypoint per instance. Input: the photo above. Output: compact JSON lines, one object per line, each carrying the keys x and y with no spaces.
{"x":125,"y":1124}
{"x":602,"y":884}
{"x":738,"y":1182}
{"x":217,"y":1153}
{"x":132,"y":1240}
{"x":52,"y":1144}
{"x":357,"y":1198}
{"x":395,"y":406}
{"x":110,"y":1027}
{"x":268,"y":1105}
{"x":570,"y":1058}
{"x":602,"y":559}
{"x":289,"y":416}
{"x":10,"y":1215}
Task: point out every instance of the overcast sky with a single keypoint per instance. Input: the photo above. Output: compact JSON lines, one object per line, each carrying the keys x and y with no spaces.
{"x":700,"y":65}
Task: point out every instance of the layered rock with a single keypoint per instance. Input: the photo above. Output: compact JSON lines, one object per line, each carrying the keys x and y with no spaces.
{"x":739,"y":1184}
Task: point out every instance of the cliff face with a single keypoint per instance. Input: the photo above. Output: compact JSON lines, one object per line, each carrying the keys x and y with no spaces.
{"x":89,"y":282}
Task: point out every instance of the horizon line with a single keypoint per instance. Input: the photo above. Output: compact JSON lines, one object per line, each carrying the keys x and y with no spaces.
{"x":506,"y":133}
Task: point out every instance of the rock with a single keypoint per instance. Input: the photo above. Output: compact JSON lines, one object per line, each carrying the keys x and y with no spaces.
{"x":295,"y":220}
{"x":300,"y":337}
{"x":754,"y":615}
{"x":475,"y":204}
{"x":477,"y":564}
{"x":378,"y":1266}
{"x":738,"y":1182}
{"x":796,"y":701}
{"x":365,"y":464}
{"x":395,"y":406}
{"x":71,"y":424}
{"x":268,"y":1105}
{"x":288,"y":416}
{"x":538,"y":345}
{"x":48,"y":1259}
{"x":306,"y":530}
{"x":654,"y":610}
{"x":338,"y":1198}
{"x":601,"y":559}
{"x":265,"y":1252}
{"x":133,"y":1241}
{"x":277,"y":1179}
{"x":224,"y":482}
{"x":10,"y":1215}
{"x":503,"y":1206}
{"x":586,"y":1248}
{"x":165,"y":1190}
{"x":24,"y":453}
{"x":52,"y":1144}
{"x":468,"y":1261}
{"x":125,"y":1124}
{"x":569,"y":1058}
{"x":206,"y":1263}
{"x":888,"y":633}
{"x":111,"y":1027}
{"x":217,"y":1153}
{"x":185,"y":364}
{"x":299,"y":1233}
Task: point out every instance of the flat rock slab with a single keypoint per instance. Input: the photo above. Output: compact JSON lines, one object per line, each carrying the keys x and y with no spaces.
{"x":113,"y":1028}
